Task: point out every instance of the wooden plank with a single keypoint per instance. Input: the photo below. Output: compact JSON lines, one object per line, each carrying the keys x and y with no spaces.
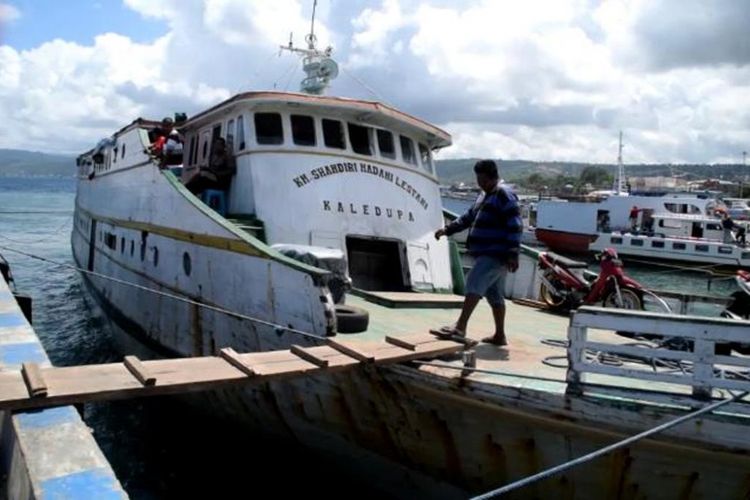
{"x":633,"y":374}
{"x":35,"y":383}
{"x":335,"y":358}
{"x":691,"y":327}
{"x":732,"y":360}
{"x":231,"y":357}
{"x":308,"y":356}
{"x":531,"y":303}
{"x":351,"y":349}
{"x":703,"y":368}
{"x":401,"y":343}
{"x":139,"y":371}
{"x":576,"y":356}
{"x":66,"y":385}
{"x":411,"y":299}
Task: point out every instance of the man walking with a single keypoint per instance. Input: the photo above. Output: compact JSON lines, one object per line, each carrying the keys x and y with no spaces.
{"x":494,"y":223}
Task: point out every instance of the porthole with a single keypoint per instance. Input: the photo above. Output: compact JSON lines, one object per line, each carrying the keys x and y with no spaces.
{"x":187,"y":266}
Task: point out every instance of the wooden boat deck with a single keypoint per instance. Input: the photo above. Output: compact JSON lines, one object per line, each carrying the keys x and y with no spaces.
{"x":536,"y":357}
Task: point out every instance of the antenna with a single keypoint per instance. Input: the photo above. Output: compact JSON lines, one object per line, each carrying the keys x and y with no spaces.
{"x":317,"y":64}
{"x":619,"y":184}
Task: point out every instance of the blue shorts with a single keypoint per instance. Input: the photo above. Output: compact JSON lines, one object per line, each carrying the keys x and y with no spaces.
{"x":487,"y":279}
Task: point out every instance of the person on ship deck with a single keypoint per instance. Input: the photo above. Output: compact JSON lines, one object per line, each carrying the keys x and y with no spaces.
{"x":218,"y":175}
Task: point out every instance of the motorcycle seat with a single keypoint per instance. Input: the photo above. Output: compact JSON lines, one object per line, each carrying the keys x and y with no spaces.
{"x":566,"y":262}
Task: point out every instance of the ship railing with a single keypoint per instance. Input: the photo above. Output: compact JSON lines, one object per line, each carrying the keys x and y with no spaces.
{"x":661,"y":352}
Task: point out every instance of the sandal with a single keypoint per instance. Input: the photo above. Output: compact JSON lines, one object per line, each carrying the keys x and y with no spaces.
{"x":452,"y":331}
{"x":493,"y":341}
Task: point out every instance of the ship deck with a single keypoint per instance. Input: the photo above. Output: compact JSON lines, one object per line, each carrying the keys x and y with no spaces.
{"x":536,"y":357}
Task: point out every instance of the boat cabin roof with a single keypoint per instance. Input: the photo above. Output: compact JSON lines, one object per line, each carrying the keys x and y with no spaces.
{"x":366,"y":112}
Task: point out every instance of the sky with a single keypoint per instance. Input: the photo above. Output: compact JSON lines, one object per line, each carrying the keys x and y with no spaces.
{"x":544,"y":80}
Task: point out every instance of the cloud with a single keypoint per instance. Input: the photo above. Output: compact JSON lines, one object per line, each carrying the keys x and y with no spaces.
{"x":669,"y":34}
{"x":542,"y":79}
{"x":8,"y":13}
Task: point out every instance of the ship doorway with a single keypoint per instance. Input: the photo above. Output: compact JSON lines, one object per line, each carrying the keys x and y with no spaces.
{"x":377,"y":264}
{"x":697,"y":231}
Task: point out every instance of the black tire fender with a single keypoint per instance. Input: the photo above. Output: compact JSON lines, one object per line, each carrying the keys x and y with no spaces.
{"x":350,"y":319}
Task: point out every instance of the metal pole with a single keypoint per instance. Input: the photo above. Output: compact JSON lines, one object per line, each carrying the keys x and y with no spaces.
{"x":608,"y":449}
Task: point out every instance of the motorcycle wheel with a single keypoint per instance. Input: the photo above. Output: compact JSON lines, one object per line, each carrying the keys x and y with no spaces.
{"x":630,"y":300}
{"x":740,"y":305}
{"x":549,"y":296}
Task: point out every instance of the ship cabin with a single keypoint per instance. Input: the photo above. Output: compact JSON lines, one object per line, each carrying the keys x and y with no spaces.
{"x":316,"y":172}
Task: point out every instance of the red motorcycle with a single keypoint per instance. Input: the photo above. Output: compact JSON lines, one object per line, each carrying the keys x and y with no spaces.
{"x":565,"y":286}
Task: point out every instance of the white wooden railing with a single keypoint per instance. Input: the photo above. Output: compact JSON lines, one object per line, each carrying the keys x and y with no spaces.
{"x":704,"y":370}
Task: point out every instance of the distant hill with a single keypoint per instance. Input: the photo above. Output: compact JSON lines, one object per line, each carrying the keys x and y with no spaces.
{"x":454,"y":171}
{"x":15,"y":163}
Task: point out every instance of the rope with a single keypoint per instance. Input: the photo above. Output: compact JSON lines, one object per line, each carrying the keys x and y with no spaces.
{"x":607,"y":449}
{"x":490,"y":372}
{"x":708,"y":269}
{"x":276,"y":326}
{"x":364,"y":85}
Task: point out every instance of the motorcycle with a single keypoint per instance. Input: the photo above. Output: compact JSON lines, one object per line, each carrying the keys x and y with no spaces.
{"x":563,"y":288}
{"x":739,"y":306}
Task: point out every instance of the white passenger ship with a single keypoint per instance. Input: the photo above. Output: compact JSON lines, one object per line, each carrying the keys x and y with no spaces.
{"x":329,"y":190}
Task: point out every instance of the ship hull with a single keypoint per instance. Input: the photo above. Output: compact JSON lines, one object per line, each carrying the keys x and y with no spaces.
{"x":427,"y":436}
{"x":564,"y":242}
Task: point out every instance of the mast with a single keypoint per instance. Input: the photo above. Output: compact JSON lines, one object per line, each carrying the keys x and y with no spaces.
{"x":619,"y":186}
{"x":317,"y":64}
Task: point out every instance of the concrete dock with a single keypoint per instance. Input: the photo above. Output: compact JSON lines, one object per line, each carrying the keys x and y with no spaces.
{"x":46,"y":454}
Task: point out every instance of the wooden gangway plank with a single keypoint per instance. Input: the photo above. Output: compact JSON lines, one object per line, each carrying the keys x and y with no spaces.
{"x":135,"y":378}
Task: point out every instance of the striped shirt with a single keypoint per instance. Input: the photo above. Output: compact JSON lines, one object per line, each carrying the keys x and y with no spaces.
{"x":494,"y":223}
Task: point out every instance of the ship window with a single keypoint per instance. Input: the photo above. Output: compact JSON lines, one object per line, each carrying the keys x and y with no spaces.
{"x":657,"y":244}
{"x":615,"y":240}
{"x":678,"y":246}
{"x":132,"y":247}
{"x":156,"y":256}
{"x":713,"y":227}
{"x":205,"y":150}
{"x":725,"y":250}
{"x":268,"y":129}
{"x":241,"y":132}
{"x":123,"y":151}
{"x":359,"y":136}
{"x":303,"y":130}
{"x":701,"y":248}
{"x":407,"y":150}
{"x":745,"y":255}
{"x":636,"y":243}
{"x":385,"y":143}
{"x":122,"y":244}
{"x":187,"y":266}
{"x":110,"y":240}
{"x":424,"y":155}
{"x":114,"y":157}
{"x":191,"y":157}
{"x":333,"y":134}
{"x":230,"y":135}
{"x":144,"y":236}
